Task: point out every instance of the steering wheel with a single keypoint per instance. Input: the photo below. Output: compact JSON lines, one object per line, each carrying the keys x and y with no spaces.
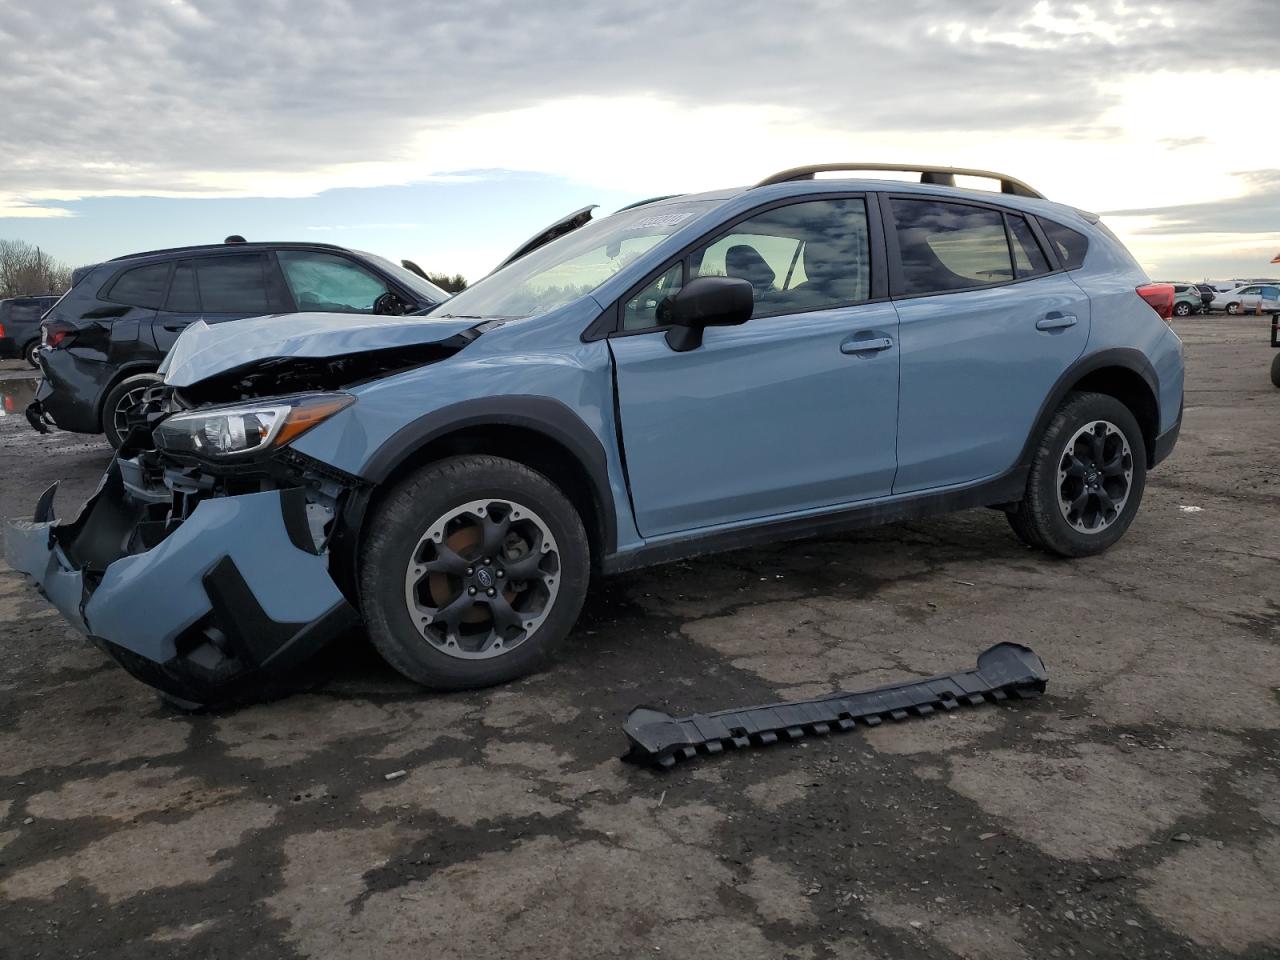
{"x":389,"y":305}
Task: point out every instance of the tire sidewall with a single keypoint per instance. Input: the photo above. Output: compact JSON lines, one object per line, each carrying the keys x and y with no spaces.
{"x":405,"y":516}
{"x":1057,"y":533}
{"x":29,"y":354}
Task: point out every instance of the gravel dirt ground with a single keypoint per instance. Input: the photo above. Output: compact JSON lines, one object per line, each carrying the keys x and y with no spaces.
{"x":1134,"y":811}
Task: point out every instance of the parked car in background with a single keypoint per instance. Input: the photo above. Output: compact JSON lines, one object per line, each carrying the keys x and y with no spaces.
{"x":105,"y":339}
{"x":20,"y":326}
{"x":1249,"y":299}
{"x":689,"y":375}
{"x":1186,"y":299}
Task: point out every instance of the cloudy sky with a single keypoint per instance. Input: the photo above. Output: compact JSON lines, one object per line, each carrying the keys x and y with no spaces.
{"x":449,"y":131}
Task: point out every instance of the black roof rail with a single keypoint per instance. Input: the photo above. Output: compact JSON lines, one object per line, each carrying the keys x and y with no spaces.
{"x":231,"y":248}
{"x":939,"y":176}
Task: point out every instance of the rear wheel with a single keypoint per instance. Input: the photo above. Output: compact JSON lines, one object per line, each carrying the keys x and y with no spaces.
{"x":1182,"y":309}
{"x":1087,"y":478}
{"x":122,"y":398}
{"x":473,"y":572}
{"x":29,"y":353}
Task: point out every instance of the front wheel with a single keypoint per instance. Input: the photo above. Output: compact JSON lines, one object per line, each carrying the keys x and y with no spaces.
{"x":1087,"y":478}
{"x":122,"y":398}
{"x":1233,"y":309}
{"x":474,"y":570}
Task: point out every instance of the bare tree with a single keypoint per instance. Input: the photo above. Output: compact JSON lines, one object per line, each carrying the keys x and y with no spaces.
{"x":450,"y":284}
{"x":26,"y":270}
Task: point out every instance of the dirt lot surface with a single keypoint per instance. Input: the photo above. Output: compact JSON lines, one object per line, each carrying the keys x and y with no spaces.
{"x":1135,"y":811}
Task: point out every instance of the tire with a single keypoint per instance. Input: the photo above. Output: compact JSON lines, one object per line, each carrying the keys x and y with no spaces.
{"x":1089,"y":479}
{"x":1233,"y":309}
{"x":120,"y":399}
{"x":415,"y":596}
{"x":1182,"y":309}
{"x":29,"y":353}
{"x":1275,"y":370}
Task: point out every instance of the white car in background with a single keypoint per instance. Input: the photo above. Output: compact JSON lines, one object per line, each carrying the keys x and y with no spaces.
{"x":1246,"y":299}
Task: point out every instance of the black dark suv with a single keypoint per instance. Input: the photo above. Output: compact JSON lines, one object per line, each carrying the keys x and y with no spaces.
{"x":104,"y":340}
{"x":20,"y":326}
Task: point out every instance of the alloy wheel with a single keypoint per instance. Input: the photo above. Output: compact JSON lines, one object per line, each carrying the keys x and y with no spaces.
{"x":120,"y":415}
{"x":1095,"y":475}
{"x":482,"y":579}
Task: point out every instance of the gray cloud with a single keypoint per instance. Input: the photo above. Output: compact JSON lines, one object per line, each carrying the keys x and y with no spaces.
{"x":1256,"y":211}
{"x":137,"y":95}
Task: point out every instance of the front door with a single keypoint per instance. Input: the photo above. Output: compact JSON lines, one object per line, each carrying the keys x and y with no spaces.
{"x":987,"y":328}
{"x":794,"y":410}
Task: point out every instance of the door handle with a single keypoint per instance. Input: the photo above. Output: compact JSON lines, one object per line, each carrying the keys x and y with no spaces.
{"x":866,"y":346}
{"x":1056,"y":321}
{"x":174,"y":327}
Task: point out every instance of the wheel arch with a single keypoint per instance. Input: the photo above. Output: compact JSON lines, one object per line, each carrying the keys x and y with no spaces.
{"x":539,"y":432}
{"x":1122,"y":373}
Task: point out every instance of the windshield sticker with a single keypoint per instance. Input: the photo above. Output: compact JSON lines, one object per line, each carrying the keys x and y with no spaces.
{"x":663,"y":220}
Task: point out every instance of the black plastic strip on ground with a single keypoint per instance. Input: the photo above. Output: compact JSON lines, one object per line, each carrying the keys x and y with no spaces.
{"x":658,"y":739}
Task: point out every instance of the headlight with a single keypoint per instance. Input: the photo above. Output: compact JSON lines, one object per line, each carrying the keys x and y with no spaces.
{"x":228,"y":431}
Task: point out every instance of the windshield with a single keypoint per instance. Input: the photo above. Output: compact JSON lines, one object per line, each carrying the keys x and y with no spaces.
{"x":573,"y":265}
{"x":407,"y":278}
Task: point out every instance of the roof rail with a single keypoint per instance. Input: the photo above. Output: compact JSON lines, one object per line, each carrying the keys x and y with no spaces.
{"x":939,"y":176}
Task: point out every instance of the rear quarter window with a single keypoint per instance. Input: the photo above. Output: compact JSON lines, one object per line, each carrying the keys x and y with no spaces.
{"x":141,"y":287}
{"x":1070,"y":245}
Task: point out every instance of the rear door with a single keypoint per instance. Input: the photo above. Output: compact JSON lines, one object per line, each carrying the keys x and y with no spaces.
{"x":988,"y":324}
{"x":216,"y":289}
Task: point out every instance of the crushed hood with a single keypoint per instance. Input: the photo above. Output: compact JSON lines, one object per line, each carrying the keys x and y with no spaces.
{"x":205,"y":350}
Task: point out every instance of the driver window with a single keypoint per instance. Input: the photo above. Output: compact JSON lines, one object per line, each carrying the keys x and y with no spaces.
{"x":326,"y":283}
{"x":649,"y":307}
{"x":801,"y":257}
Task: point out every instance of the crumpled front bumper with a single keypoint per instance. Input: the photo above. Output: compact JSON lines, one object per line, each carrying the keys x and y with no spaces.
{"x":202,"y":609}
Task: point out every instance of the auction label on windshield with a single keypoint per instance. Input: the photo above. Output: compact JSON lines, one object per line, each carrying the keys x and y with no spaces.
{"x":663,"y":220}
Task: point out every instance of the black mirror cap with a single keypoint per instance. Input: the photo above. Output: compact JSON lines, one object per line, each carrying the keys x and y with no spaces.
{"x":708,"y":302}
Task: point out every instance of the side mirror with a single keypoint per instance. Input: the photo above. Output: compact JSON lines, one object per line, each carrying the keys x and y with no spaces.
{"x":708,"y":302}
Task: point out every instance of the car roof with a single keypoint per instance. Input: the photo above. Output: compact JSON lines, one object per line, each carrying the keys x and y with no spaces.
{"x":207,"y":249}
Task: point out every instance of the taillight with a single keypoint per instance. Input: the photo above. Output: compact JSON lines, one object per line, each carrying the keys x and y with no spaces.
{"x":56,"y":333}
{"x":1159,"y":297}
{"x":1,"y":329}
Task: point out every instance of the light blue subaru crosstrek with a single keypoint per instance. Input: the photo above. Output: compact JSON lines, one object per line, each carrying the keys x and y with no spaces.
{"x":690,"y":374}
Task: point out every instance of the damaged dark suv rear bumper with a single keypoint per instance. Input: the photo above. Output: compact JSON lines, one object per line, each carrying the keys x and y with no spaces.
{"x":201,"y":607}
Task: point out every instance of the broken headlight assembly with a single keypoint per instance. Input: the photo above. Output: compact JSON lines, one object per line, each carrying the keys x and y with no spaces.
{"x":233,"y":430}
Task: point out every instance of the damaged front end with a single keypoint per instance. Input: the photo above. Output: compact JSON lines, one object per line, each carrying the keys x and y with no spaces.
{"x":200,"y":577}
{"x":214,"y":553}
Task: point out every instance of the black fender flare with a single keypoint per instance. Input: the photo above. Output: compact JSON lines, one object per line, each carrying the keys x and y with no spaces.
{"x":1124,"y":357}
{"x":543,"y":415}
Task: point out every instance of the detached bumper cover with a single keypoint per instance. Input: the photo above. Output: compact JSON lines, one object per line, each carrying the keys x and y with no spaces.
{"x":201,"y":609}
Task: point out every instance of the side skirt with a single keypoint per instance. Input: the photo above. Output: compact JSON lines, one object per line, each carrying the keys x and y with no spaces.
{"x":1006,"y":488}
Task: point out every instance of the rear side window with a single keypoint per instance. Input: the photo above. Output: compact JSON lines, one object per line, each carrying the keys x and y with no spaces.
{"x":233,"y":284}
{"x":1070,"y":245}
{"x":27,"y":310}
{"x":1028,"y":259}
{"x":183,"y":297}
{"x":950,"y":246}
{"x":141,"y":286}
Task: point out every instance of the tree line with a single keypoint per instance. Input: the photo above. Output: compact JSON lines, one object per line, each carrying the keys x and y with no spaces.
{"x":26,"y":270}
